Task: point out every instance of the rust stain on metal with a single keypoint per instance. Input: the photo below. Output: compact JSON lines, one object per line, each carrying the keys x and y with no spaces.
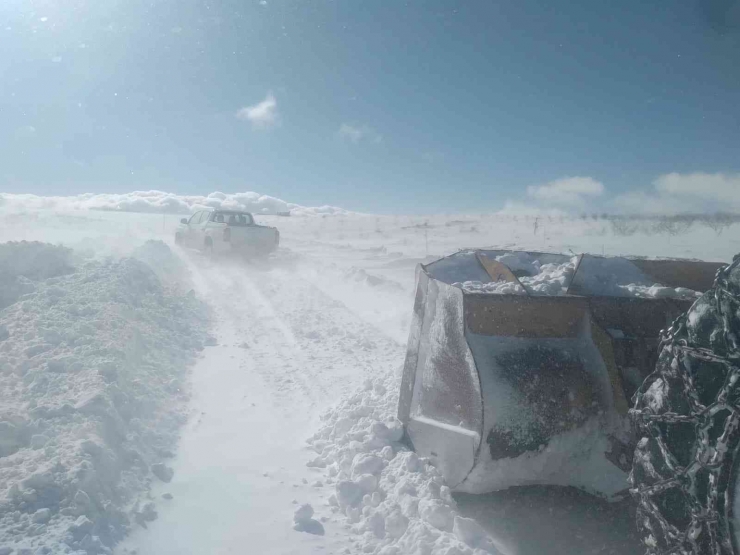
{"x":522,"y":316}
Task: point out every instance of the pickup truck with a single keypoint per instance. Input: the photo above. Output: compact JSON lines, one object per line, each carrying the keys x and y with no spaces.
{"x":216,"y":231}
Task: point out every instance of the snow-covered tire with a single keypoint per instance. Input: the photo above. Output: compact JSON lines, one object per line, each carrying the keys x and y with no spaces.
{"x":687,"y":414}
{"x":179,"y":239}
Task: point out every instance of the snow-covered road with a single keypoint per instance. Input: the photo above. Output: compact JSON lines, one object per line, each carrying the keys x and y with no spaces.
{"x":285,"y":351}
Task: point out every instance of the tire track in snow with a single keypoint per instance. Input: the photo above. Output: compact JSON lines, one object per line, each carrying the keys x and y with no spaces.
{"x":311,"y":348}
{"x":240,"y":464}
{"x":250,"y":320}
{"x":336,"y":341}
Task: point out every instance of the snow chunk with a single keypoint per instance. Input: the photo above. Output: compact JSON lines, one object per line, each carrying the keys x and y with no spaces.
{"x":303,"y":521}
{"x":42,"y":516}
{"x":163,"y":472}
{"x":437,"y":513}
{"x":367,"y":483}
{"x":81,"y":526}
{"x":366,"y":464}
{"x":348,"y":493}
{"x":535,"y":278}
{"x":393,"y":500}
{"x":303,"y":513}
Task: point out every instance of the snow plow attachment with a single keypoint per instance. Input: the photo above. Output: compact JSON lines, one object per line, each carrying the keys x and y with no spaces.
{"x":520,"y":365}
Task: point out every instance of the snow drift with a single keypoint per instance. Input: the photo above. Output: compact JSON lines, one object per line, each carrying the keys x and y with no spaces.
{"x":93,"y":362}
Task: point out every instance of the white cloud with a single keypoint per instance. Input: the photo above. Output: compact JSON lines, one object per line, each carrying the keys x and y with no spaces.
{"x":262,"y":115}
{"x":713,"y":186}
{"x":695,"y":192}
{"x":358,"y":133}
{"x":568,"y":191}
{"x":161,"y":202}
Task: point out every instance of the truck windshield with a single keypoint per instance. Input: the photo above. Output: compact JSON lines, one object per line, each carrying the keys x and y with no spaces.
{"x":233,"y":219}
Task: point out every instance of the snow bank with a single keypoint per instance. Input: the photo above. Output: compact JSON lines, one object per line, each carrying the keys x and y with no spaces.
{"x":392,"y":501}
{"x":161,"y":202}
{"x":93,"y":362}
{"x":22,"y":263}
{"x":168,"y":267}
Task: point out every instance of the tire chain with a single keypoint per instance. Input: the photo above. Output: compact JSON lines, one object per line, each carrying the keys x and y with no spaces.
{"x":705,"y":516}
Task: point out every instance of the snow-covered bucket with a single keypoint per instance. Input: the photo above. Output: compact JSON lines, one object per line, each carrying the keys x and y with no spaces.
{"x":521,"y":366}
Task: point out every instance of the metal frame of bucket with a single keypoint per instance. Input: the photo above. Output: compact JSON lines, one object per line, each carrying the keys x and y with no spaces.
{"x":496,"y":388}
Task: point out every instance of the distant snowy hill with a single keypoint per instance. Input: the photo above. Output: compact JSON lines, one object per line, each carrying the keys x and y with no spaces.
{"x":161,"y":202}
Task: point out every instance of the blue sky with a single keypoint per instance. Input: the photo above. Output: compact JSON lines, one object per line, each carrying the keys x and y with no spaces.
{"x":378,"y":106}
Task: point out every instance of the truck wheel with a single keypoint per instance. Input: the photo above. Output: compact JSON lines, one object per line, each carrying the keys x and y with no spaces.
{"x":178,"y":239}
{"x":685,"y":473}
{"x":208,"y":246}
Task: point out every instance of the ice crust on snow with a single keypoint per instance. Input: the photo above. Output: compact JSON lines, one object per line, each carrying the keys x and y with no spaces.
{"x":394,"y":502}
{"x":93,"y":362}
{"x":609,"y":276}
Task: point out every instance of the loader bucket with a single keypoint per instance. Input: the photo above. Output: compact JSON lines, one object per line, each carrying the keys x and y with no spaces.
{"x":511,"y":379}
